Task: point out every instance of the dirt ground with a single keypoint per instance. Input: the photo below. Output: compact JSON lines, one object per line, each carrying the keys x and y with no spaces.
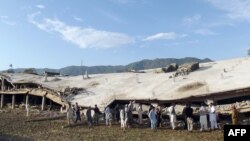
{"x":13,"y":127}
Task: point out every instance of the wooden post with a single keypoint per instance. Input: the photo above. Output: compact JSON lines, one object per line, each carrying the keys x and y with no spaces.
{"x":43,"y":102}
{"x":27,"y":101}
{"x":2,"y":100}
{"x":13,"y":101}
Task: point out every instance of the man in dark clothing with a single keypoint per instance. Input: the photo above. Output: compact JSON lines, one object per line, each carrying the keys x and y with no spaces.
{"x":158,"y":117}
{"x":188,"y":115}
{"x":97,"y":114}
{"x":130,"y":113}
{"x":78,"y":115}
{"x":117,"y":113}
{"x":89,"y":117}
{"x":185,"y":116}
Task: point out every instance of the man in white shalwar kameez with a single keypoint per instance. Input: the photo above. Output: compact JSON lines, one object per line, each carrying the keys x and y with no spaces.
{"x":108,"y":116}
{"x":212,"y":117}
{"x":140,"y":113}
{"x":126,"y":116}
{"x":152,"y":117}
{"x":122,"y":119}
{"x":172,"y":115}
{"x":203,"y":117}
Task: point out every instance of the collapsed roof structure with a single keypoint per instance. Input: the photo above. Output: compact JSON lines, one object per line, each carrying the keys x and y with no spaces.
{"x":224,"y":82}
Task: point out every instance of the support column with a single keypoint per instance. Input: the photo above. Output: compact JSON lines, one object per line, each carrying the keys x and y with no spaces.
{"x":27,"y":101}
{"x":43,"y":102}
{"x":13,"y":101}
{"x":2,"y":100}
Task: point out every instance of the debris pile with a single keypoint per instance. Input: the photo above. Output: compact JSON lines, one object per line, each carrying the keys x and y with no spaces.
{"x":74,"y":91}
{"x":170,"y":68}
{"x":238,"y":105}
{"x":185,"y":69}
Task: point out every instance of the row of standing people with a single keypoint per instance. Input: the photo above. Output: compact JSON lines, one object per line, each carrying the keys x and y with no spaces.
{"x":188,"y":116}
{"x":125,"y":116}
{"x":154,"y":114}
{"x":73,"y":114}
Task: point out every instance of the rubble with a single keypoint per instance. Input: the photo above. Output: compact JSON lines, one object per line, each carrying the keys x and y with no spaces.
{"x":185,"y":69}
{"x":74,"y":90}
{"x":170,"y":68}
{"x":239,"y":105}
{"x":21,"y":106}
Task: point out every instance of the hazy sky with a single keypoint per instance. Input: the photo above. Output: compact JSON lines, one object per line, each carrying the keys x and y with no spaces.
{"x":56,"y":33}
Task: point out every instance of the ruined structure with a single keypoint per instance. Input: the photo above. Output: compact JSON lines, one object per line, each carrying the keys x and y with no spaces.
{"x":27,"y":92}
{"x":170,"y":68}
{"x":201,"y":86}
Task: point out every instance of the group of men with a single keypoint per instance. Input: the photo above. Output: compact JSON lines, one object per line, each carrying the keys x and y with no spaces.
{"x":203,"y":112}
{"x":187,"y":114}
{"x":73,"y":114}
{"x":124,"y":115}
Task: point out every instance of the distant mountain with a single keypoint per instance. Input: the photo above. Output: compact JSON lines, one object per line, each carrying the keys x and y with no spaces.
{"x":78,"y":70}
{"x":38,"y":70}
{"x":140,"y":65}
{"x":158,"y":63}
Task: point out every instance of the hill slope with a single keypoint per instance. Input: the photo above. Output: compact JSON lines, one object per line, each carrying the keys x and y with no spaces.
{"x":140,"y":65}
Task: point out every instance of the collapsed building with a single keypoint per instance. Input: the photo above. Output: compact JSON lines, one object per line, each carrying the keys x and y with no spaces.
{"x":222,"y":82}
